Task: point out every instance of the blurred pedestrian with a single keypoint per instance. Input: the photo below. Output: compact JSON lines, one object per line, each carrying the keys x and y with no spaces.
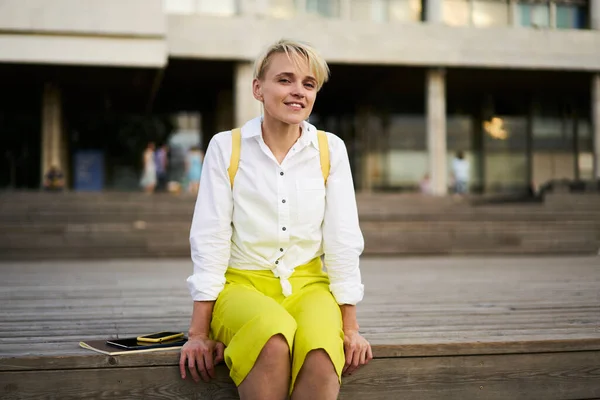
{"x":460,"y":173}
{"x":425,"y":185}
{"x":148,"y":180}
{"x":161,"y":160}
{"x":54,"y":179}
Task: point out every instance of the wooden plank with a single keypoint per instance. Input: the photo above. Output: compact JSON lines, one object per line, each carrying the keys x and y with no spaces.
{"x":557,"y":376}
{"x":408,"y":301}
{"x":65,"y":359}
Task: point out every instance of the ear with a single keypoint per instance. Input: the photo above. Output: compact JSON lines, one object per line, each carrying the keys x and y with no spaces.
{"x":257,"y":90}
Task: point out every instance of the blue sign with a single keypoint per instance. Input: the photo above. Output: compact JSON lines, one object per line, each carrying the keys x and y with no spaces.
{"x":89,"y":171}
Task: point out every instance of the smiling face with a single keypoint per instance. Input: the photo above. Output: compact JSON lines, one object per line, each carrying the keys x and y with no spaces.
{"x":287,"y":89}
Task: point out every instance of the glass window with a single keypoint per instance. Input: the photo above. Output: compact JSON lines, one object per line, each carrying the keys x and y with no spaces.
{"x":535,"y":15}
{"x":570,"y":16}
{"x":385,"y":10}
{"x":404,"y":10}
{"x":459,"y":132}
{"x":490,"y":13}
{"x":179,"y":6}
{"x":323,"y":8}
{"x":584,"y":133}
{"x":456,"y":12}
{"x":505,"y":153}
{"x":407,"y":161}
{"x":282,"y":9}
{"x":216,"y":7}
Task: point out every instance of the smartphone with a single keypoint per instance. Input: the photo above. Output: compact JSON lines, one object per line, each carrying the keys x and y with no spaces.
{"x":134,"y":344}
{"x":160,"y":337}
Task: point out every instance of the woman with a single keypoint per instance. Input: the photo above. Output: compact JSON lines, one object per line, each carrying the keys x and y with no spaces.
{"x":258,"y":284}
{"x":148,"y":180}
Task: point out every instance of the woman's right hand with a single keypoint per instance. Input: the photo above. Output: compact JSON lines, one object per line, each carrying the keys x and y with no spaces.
{"x":201,"y":354}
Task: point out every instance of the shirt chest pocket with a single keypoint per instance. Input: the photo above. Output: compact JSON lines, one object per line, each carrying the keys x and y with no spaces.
{"x":310,"y":200}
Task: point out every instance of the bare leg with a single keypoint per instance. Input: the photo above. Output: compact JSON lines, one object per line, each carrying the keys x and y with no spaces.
{"x":317,"y":379}
{"x":269,"y":379}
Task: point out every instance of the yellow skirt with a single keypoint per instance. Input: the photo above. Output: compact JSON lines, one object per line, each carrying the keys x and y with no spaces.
{"x":251,"y":309}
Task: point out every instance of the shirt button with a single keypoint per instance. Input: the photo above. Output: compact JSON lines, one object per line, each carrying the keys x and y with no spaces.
{"x":280,"y":249}
{"x":283,"y":201}
{"x":281,"y":173}
{"x":283,"y":229}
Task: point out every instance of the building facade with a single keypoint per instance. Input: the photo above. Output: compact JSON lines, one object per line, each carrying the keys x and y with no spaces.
{"x":515,"y":85}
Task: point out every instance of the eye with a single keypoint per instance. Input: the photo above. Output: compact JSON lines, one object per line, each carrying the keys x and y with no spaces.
{"x":310,"y":85}
{"x":284,"y":80}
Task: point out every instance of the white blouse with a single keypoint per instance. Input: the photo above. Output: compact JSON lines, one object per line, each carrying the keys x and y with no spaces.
{"x":277,"y":217}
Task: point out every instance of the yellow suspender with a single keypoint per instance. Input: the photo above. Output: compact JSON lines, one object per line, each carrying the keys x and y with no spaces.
{"x":324,"y":153}
{"x":236,"y":144}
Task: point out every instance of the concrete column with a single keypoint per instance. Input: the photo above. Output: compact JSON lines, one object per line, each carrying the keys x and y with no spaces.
{"x":433,"y":11}
{"x":596,"y":123}
{"x":54,"y":149}
{"x":513,"y":13}
{"x":595,"y":14}
{"x":436,"y":130}
{"x":246,"y":106}
{"x":595,"y":100}
{"x":552,"y":15}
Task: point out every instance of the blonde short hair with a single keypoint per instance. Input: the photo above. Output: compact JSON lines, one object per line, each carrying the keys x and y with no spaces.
{"x":297,"y":52}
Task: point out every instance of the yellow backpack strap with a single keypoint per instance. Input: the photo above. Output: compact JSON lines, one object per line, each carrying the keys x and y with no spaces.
{"x":324,"y":152}
{"x":236,"y":145}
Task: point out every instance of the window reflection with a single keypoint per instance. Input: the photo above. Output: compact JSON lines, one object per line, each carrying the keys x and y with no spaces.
{"x":456,"y":12}
{"x":407,"y":157}
{"x":214,"y":7}
{"x":323,"y":8}
{"x":220,"y":7}
{"x":490,"y":13}
{"x":284,"y":9}
{"x":570,"y":16}
{"x":179,"y":6}
{"x":536,"y":15}
{"x":385,"y":10}
{"x":585,"y":160}
{"x":505,"y":159}
{"x":405,"y":10}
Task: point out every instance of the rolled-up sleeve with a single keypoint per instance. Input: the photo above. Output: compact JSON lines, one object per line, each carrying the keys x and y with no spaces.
{"x":342,"y":239}
{"x":210,"y":234}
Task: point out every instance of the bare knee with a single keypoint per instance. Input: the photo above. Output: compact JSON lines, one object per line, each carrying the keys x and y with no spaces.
{"x":276,"y":348}
{"x":317,"y":378}
{"x":319,"y":358}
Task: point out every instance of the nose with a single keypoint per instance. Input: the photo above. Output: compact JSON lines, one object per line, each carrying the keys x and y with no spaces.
{"x":298,"y":91}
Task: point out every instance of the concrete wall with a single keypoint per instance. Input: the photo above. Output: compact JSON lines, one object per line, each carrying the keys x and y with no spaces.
{"x":90,"y":32}
{"x":241,"y":38}
{"x":100,"y":17}
{"x":74,"y":50}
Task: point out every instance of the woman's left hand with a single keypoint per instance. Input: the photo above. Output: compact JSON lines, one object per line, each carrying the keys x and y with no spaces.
{"x":358,"y":351}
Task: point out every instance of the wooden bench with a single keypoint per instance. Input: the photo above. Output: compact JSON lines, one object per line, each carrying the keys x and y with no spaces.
{"x":563,"y":369}
{"x":441,"y":328}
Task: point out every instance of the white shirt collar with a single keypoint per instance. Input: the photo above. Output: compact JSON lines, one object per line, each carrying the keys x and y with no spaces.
{"x":252,"y":128}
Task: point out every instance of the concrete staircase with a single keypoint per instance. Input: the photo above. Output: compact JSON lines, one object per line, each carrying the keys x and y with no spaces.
{"x":37,"y":225}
